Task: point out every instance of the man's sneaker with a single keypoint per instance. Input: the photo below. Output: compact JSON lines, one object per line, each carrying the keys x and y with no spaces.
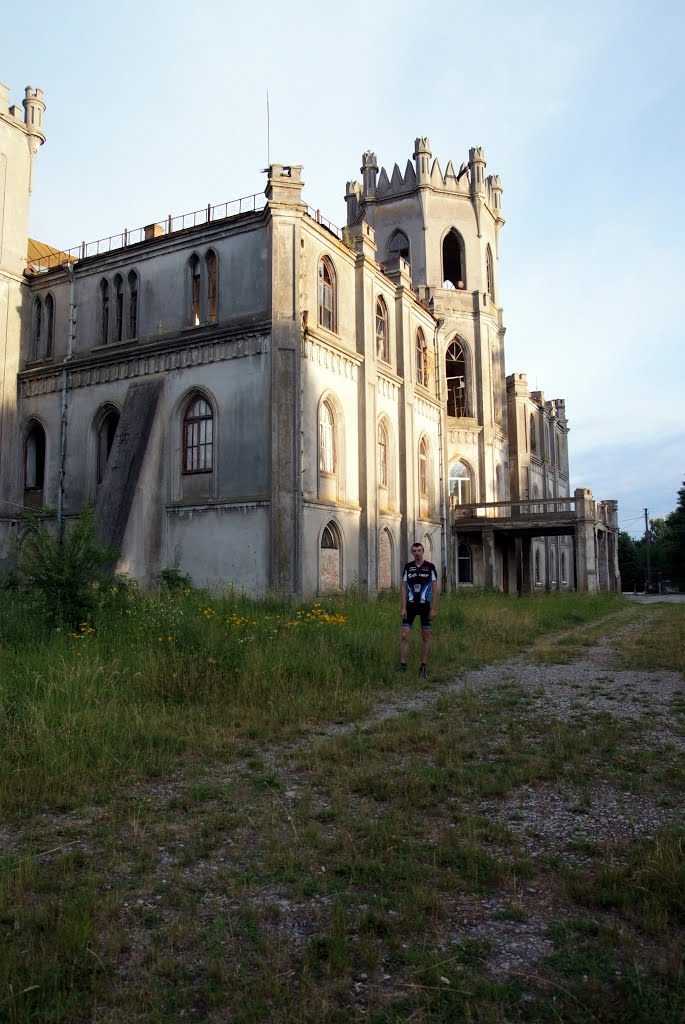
{"x":401,"y":667}
{"x":423,"y":672}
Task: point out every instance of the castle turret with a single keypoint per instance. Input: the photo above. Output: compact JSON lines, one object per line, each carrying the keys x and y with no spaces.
{"x":477,"y":168}
{"x":353,"y":195}
{"x":422,"y":160}
{"x":369,"y":172}
{"x":34,"y":108}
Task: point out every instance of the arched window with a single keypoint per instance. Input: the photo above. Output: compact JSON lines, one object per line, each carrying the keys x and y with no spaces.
{"x":37,"y":329}
{"x":212,"y":286}
{"x":464,"y":564}
{"x":458,"y":403}
{"x":563,"y":567}
{"x":330,"y":558}
{"x":49,"y":326}
{"x":198,"y":436}
{"x":460,"y":483}
{"x":533,"y":434}
{"x":383,"y":477}
{"x":424,"y":467}
{"x":538,"y":568}
{"x":195,"y":271}
{"x":421,"y":359}
{"x":104,"y":311}
{"x":118,"y":307}
{"x":553,"y":564}
{"x":399,"y":246}
{"x":34,"y":465}
{"x":105,"y":438}
{"x":382,"y":344}
{"x":327,"y":311}
{"x":558,"y":450}
{"x":453,"y":264}
{"x":326,"y":438}
{"x":132,"y":304}
{"x":489,"y":274}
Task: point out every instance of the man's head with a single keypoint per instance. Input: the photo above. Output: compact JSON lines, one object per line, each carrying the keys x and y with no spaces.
{"x":417,"y":552}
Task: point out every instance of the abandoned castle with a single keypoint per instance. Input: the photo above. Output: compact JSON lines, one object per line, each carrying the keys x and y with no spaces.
{"x":263,"y":400}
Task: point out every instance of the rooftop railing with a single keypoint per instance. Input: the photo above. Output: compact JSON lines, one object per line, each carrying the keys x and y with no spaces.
{"x":324,"y":222}
{"x":169,"y":226}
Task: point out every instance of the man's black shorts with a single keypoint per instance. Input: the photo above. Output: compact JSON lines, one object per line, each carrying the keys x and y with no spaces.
{"x":424,"y":613}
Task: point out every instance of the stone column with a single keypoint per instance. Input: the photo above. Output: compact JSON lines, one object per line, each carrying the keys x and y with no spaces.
{"x":584,"y":542}
{"x":488,"y":558}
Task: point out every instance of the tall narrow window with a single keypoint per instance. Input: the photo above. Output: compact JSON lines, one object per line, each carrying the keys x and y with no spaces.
{"x":460,"y":483}
{"x":49,"y":326}
{"x":34,"y":465}
{"x":326,"y":438}
{"x":118,"y":307}
{"x":37,"y":329}
{"x":489,"y":274}
{"x":382,"y":454}
{"x":195,"y":291}
{"x":464,"y":564}
{"x":453,"y":273}
{"x":212,"y":293}
{"x":198,"y":437}
{"x":133,"y":304}
{"x":533,"y":434}
{"x":330,"y":562}
{"x":538,"y":568}
{"x":382,"y":345}
{"x":105,"y":439}
{"x":421,"y":359}
{"x":104,"y":311}
{"x":423,"y":467}
{"x":399,"y":246}
{"x":558,"y":450}
{"x":458,"y":403}
{"x":327,"y":313}
{"x":563,"y":567}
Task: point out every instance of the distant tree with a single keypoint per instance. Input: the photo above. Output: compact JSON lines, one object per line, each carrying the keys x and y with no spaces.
{"x":631,"y":562}
{"x":676,"y":541}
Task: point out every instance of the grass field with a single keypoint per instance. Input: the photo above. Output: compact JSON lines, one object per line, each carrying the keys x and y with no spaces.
{"x":206,"y":817}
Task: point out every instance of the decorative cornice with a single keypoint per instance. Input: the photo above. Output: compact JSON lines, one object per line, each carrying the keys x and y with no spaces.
{"x":140,"y":363}
{"x":345,"y":364}
{"x":190,"y":508}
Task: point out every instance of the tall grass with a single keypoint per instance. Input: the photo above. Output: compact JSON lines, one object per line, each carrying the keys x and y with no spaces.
{"x":155,"y":677}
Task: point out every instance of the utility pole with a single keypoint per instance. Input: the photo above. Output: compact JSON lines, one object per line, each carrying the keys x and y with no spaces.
{"x":648,"y":552}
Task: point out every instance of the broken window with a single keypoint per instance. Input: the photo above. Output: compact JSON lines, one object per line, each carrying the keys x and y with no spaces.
{"x":326,"y":438}
{"x":118,"y":307}
{"x":198,"y":437}
{"x":329,"y":541}
{"x":49,"y":326}
{"x":195,"y":291}
{"x":382,"y":346}
{"x":105,"y":438}
{"x":382,"y":454}
{"x":489,"y":273}
{"x":533,"y":434}
{"x":37,"y":328}
{"x":212,"y":293}
{"x":34,"y":465}
{"x":460,"y":483}
{"x":399,"y":246}
{"x":133,"y":304}
{"x":104,"y":311}
{"x":424,"y":455}
{"x":458,"y":403}
{"x":327,"y":317}
{"x":453,"y":270}
{"x":421,"y":359}
{"x":464,"y":564}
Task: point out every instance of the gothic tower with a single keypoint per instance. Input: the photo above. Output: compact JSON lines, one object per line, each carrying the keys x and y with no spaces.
{"x":21,"y":136}
{"x":446,"y":226}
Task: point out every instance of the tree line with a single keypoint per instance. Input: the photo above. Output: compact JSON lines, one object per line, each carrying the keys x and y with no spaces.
{"x":664,"y":551}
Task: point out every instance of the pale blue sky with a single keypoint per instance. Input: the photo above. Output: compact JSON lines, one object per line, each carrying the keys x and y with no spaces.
{"x":157,"y":108}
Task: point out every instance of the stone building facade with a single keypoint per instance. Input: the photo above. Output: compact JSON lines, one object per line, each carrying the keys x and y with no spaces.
{"x":263,"y":400}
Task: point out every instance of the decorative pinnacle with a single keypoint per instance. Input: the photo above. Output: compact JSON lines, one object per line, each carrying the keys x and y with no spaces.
{"x":369,"y":159}
{"x":422,"y":146}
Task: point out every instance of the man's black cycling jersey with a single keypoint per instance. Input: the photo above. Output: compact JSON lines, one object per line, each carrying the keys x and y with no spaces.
{"x":419,"y":580}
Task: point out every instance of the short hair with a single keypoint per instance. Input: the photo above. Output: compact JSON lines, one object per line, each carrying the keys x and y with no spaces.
{"x":417,"y":544}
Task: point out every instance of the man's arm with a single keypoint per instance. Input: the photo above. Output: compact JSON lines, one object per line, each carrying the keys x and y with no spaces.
{"x":435,"y":593}
{"x":403,"y":599}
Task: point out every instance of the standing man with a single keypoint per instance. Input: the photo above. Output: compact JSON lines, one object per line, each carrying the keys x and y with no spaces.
{"x":419,"y":592}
